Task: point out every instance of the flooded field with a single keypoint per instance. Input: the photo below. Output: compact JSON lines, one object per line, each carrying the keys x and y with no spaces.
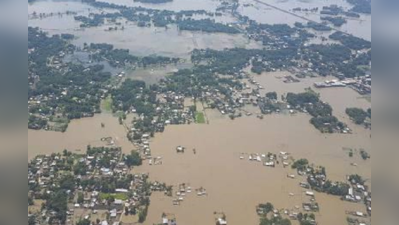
{"x":80,"y":133}
{"x":140,"y":41}
{"x":264,"y":14}
{"x":217,"y":166}
{"x":236,"y":186}
{"x":339,"y":98}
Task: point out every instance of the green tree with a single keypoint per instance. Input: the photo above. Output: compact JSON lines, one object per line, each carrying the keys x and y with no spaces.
{"x":84,"y":222}
{"x":133,"y":159}
{"x":80,"y":199}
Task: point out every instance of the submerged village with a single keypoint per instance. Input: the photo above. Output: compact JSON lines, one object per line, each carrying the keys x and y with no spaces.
{"x":107,"y":184}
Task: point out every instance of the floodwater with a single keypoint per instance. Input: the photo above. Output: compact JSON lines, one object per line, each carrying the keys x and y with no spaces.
{"x":79,"y":134}
{"x":176,"y":5}
{"x":360,"y":27}
{"x":140,"y":41}
{"x":153,"y":74}
{"x":339,"y":98}
{"x":236,"y":186}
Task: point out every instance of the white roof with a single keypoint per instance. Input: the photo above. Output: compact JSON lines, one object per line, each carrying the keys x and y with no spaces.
{"x":222,"y":222}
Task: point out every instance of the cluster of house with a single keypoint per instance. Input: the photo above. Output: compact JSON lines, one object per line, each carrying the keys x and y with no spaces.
{"x":264,"y":210}
{"x":356,"y":191}
{"x":360,"y":84}
{"x":183,"y":190}
{"x":91,"y":199}
{"x":168,"y":219}
{"x":268,"y":160}
{"x":359,"y":193}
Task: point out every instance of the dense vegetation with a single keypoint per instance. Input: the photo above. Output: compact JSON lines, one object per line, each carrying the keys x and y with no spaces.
{"x":336,"y":21}
{"x":145,"y":17}
{"x":318,"y":26}
{"x":60,"y":90}
{"x":321,"y":112}
{"x":358,"y":115}
{"x":360,"y":6}
{"x":351,"y":41}
{"x":206,"y":25}
{"x":335,"y":10}
{"x":122,"y":57}
{"x":264,"y":210}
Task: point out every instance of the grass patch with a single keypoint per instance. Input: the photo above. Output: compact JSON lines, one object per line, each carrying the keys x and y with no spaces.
{"x":106,"y":104}
{"x":120,"y":196}
{"x":59,"y":124}
{"x":200,"y":117}
{"x":119,"y":114}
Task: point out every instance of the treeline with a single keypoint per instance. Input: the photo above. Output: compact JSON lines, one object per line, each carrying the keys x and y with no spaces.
{"x":360,"y":6}
{"x":358,"y":115}
{"x":122,"y":57}
{"x":318,"y":26}
{"x":145,"y":17}
{"x":206,"y":25}
{"x":351,"y":41}
{"x":336,"y":21}
{"x":335,"y":10}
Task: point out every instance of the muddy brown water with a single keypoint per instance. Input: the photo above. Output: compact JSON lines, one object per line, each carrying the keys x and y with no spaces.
{"x":79,"y":134}
{"x":235,"y":186}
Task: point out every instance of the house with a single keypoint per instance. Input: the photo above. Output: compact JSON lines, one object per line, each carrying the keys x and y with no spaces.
{"x":310,"y":193}
{"x":118,"y":202}
{"x":113,"y":213}
{"x":221,"y":221}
